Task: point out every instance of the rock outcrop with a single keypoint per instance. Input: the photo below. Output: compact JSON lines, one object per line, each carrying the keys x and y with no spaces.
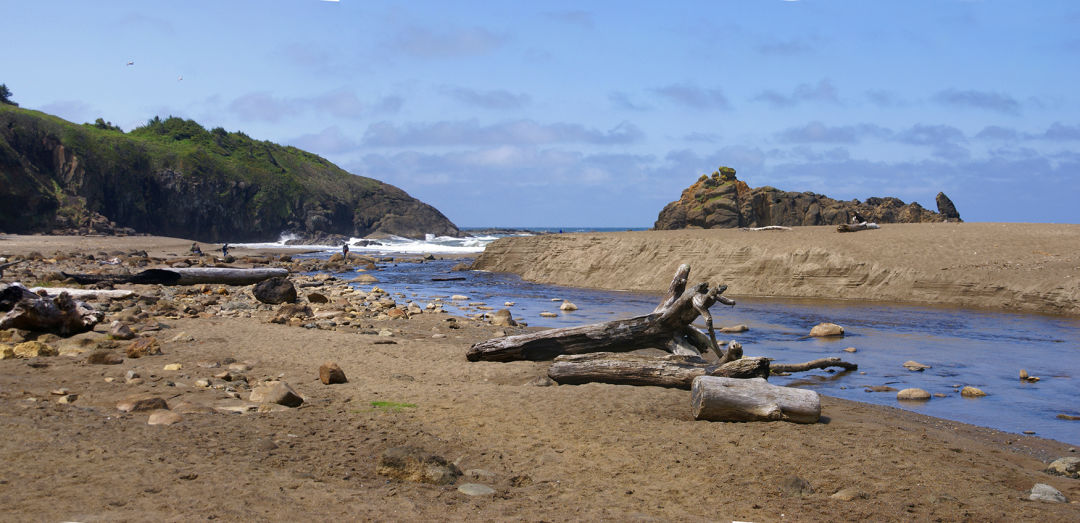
{"x":723,"y":201}
{"x":172,"y":177}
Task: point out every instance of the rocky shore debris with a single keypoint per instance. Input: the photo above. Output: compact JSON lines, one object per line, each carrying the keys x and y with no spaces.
{"x":26,"y":310}
{"x":276,"y":392}
{"x":1068,"y":467}
{"x":415,"y":464}
{"x":825,"y":330}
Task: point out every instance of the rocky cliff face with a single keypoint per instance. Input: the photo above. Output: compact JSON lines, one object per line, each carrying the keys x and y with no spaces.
{"x":175,"y":178}
{"x":722,"y":201}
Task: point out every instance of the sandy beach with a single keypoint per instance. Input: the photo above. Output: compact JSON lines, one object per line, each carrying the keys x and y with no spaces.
{"x":550,"y":453}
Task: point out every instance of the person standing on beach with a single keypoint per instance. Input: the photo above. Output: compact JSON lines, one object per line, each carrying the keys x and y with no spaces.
{"x":225,"y":250}
{"x":345,"y":250}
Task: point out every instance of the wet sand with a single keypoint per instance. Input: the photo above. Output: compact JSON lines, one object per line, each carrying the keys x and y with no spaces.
{"x":552,"y":453}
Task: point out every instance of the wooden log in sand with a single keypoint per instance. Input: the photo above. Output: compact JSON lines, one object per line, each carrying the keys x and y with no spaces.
{"x":23,"y":309}
{"x":672,"y":370}
{"x":715,"y":398}
{"x":667,"y":327}
{"x":186,"y":276}
{"x":820,"y":363}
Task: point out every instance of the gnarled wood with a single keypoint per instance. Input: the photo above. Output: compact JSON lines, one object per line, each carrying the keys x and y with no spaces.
{"x":23,"y":309}
{"x":716,"y":398}
{"x":820,"y":363}
{"x":635,"y":369}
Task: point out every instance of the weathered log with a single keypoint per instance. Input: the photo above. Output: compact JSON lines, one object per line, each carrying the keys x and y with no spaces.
{"x":83,"y":293}
{"x":667,"y":327}
{"x":855,"y":227}
{"x":673,"y":371}
{"x":25,"y":310}
{"x":715,"y":398}
{"x":820,"y":363}
{"x":186,"y":276}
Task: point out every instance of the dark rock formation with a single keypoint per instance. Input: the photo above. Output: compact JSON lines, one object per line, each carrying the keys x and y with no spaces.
{"x":173,"y":177}
{"x":722,"y":201}
{"x":946,"y":208}
{"x":275,"y":291}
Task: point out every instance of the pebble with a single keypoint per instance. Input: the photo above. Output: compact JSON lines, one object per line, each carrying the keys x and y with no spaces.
{"x":164,"y":417}
{"x":734,"y":328}
{"x":475,"y":489}
{"x":277,"y":392}
{"x":104,"y":357}
{"x":141,"y":403}
{"x":1046,"y":493}
{"x":509,"y":304}
{"x":438,"y":336}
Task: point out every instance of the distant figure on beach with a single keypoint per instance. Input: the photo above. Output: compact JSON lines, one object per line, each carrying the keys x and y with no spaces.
{"x":195,"y":249}
{"x":225,"y":250}
{"x":345,"y":250}
{"x":856,"y":218}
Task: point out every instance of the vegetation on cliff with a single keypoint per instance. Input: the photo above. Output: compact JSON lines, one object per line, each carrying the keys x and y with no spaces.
{"x":721,"y":200}
{"x":173,"y":177}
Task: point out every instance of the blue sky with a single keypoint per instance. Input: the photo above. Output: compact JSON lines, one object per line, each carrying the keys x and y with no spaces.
{"x":596,"y":113}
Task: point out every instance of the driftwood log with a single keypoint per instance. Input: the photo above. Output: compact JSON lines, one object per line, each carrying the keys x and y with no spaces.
{"x":186,"y":276}
{"x":23,"y":309}
{"x":672,"y":370}
{"x":820,"y":363}
{"x":667,"y":327}
{"x":715,"y":398}
{"x":855,"y":227}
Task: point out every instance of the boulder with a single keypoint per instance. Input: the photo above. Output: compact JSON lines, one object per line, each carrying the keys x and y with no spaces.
{"x":503,"y":318}
{"x":946,"y":208}
{"x":330,"y":373}
{"x":274,"y":291}
{"x":277,"y":392}
{"x":971,"y":392}
{"x":1068,"y":467}
{"x":417,"y":465}
{"x":913,"y":394}
{"x":826,"y":330}
{"x":567,"y":306}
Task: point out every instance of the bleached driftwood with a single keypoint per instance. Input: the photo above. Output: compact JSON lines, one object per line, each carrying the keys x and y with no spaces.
{"x":853,"y":227}
{"x":672,"y":370}
{"x":715,"y":398}
{"x":23,"y":309}
{"x":83,"y":293}
{"x":187,"y":276}
{"x":767,"y":228}
{"x":667,"y":327}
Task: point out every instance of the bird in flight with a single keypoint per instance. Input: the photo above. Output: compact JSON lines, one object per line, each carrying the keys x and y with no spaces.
{"x":131,"y":62}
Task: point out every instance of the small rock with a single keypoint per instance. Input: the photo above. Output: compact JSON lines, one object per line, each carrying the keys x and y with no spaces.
{"x":567,"y":306}
{"x":202,"y":383}
{"x":1068,"y":467}
{"x":971,"y":392}
{"x":915,"y":366}
{"x":397,"y":313}
{"x":459,"y":297}
{"x":850,"y":349}
{"x":60,"y":392}
{"x":438,"y":336}
{"x":120,"y":331}
{"x":104,"y":357}
{"x":148,"y":346}
{"x":913,"y":394}
{"x":475,"y":489}
{"x":848,"y":494}
{"x":1023,"y":374}
{"x":796,"y":486}
{"x":265,"y":444}
{"x":879,"y":388}
{"x":277,"y":392}
{"x":386,"y":333}
{"x":330,"y":373}
{"x":480,"y":474}
{"x":1044,"y":492}
{"x":141,"y":403}
{"x":365,"y":278}
{"x":548,"y":315}
{"x":274,"y":291}
{"x":316,"y":297}
{"x":509,"y":304}
{"x":827,"y":329}
{"x":33,"y":349}
{"x":503,"y":318}
{"x":68,"y":398}
{"x":164,"y":417}
{"x":173,"y":366}
{"x":734,"y":328}
{"x":415,"y":464}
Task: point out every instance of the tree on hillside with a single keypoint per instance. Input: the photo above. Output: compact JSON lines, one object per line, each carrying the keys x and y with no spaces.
{"x":5,"y":95}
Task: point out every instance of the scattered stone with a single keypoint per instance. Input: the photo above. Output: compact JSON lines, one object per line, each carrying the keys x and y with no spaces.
{"x":141,"y":403}
{"x":316,"y":297}
{"x":879,"y":388}
{"x":202,"y":383}
{"x":68,"y":398}
{"x":104,"y":357}
{"x":34,"y":349}
{"x":397,"y":314}
{"x":330,"y":373}
{"x":415,"y":464}
{"x":438,"y":336}
{"x":1046,"y":493}
{"x":277,"y":392}
{"x":1023,"y":374}
{"x":548,"y":315}
{"x":503,"y":318}
{"x":734,"y":328}
{"x":386,"y":333}
{"x":940,"y":395}
{"x":475,"y":489}
{"x":164,"y":417}
{"x":1068,"y":467}
{"x":235,"y":406}
{"x":915,"y":366}
{"x":567,"y":306}
{"x":274,"y":291}
{"x":60,"y":392}
{"x":288,"y":311}
{"x":365,"y":278}
{"x":848,"y":494}
{"x":173,"y":366}
{"x":7,"y":352}
{"x":120,"y":331}
{"x":459,"y":297}
{"x":971,"y":392}
{"x":913,"y":394}
{"x":850,"y":349}
{"x":796,"y":486}
{"x":509,"y":304}
{"x":148,"y":346}
{"x":541,"y":381}
{"x":827,"y":329}
{"x":225,"y":376}
{"x":480,"y":474}
{"x":1068,"y":417}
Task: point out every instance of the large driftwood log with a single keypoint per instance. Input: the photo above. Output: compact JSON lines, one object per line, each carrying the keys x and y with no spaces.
{"x":725,"y":399}
{"x":23,"y":309}
{"x":667,"y":327}
{"x":820,"y":363}
{"x":186,"y":276}
{"x":672,"y":370}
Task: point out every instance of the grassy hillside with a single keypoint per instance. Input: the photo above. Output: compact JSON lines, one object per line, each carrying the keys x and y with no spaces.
{"x":174,"y":177}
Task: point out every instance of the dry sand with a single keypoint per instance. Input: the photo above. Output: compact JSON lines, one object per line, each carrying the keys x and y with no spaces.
{"x":552,"y":453}
{"x":1013,"y":266}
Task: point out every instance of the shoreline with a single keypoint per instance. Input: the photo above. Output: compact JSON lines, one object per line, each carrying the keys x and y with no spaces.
{"x":550,"y":452}
{"x":1002,"y":267}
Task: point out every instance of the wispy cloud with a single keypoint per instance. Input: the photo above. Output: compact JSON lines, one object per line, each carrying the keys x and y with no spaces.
{"x":790,"y":47}
{"x":621,"y":100}
{"x":579,"y":18}
{"x":450,"y":43}
{"x":340,"y":103}
{"x":71,"y":110}
{"x":823,"y":91}
{"x":884,"y":98}
{"x":693,"y":96}
{"x":943,"y":140}
{"x":519,"y":132}
{"x":991,"y":101}
{"x":817,"y":132}
{"x":498,"y":99}
{"x":996,"y":132}
{"x":262,"y":107}
{"x":1058,"y":131}
{"x":328,"y":141}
